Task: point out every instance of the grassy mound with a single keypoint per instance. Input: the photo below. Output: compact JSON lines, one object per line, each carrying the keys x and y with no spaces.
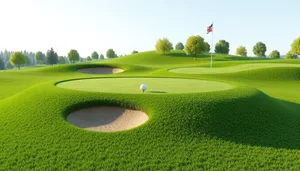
{"x":253,"y":126}
{"x":155,"y":85}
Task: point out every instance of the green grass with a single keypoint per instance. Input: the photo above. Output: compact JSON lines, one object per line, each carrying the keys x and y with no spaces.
{"x":155,"y":85}
{"x":252,"y":126}
{"x":232,"y":69}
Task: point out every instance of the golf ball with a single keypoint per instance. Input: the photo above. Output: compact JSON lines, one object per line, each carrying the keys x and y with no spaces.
{"x":143,"y":87}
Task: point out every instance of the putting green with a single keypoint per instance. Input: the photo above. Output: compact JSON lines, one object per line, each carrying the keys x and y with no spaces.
{"x":155,"y":85}
{"x":232,"y":69}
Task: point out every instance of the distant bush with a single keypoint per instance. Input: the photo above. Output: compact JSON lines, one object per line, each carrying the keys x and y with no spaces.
{"x":101,"y":56}
{"x":2,"y":64}
{"x":222,"y":47}
{"x":73,"y":56}
{"x":52,"y":57}
{"x":274,"y":54}
{"x":241,"y":51}
{"x":95,"y":55}
{"x":163,"y":46}
{"x":89,"y":58}
{"x":110,"y":53}
{"x":206,"y":47}
{"x":18,"y":59}
{"x":290,"y":55}
{"x":40,"y":57}
{"x":133,"y":52}
{"x":62,"y":60}
{"x":296,"y":46}
{"x":194,"y":45}
{"x":179,"y":46}
{"x":259,"y":49}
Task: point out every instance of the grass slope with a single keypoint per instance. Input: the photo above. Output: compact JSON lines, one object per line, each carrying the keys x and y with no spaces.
{"x":254,"y":126}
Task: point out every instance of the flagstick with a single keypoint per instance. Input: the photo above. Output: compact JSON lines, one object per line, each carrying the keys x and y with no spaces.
{"x":212,"y":43}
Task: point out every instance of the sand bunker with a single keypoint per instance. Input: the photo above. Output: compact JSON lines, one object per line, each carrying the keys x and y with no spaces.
{"x":107,"y":119}
{"x":100,"y":70}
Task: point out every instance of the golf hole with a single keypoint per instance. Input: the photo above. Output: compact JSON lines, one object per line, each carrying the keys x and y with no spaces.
{"x":107,"y":118}
{"x":100,"y":70}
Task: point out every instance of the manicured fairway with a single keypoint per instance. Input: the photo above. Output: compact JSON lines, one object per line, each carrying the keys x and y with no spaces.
{"x":155,"y":85}
{"x":232,"y":69}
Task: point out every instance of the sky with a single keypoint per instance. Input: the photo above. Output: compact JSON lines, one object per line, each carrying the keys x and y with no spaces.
{"x":127,"y":25}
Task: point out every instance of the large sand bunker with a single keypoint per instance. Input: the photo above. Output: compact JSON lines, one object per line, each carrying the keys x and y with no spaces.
{"x":100,"y":70}
{"x":107,"y":119}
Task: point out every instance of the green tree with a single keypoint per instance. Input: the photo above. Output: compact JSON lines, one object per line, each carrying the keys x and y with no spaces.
{"x":2,"y":64}
{"x":290,"y":55}
{"x":206,"y":47}
{"x":194,"y":45}
{"x":110,"y":53}
{"x":89,"y":58}
{"x":101,"y":56}
{"x":62,"y":60}
{"x":73,"y":56}
{"x":179,"y":46}
{"x":39,"y":57}
{"x":275,"y":54}
{"x":242,"y":51}
{"x":296,"y":46}
{"x":163,"y":46}
{"x":52,"y":57}
{"x":133,"y":52}
{"x":222,"y":47}
{"x":95,"y":55}
{"x":18,"y":59}
{"x":259,"y":49}
{"x":9,"y":65}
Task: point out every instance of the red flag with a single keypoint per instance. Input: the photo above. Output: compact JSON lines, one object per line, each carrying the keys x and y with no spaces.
{"x":210,"y":28}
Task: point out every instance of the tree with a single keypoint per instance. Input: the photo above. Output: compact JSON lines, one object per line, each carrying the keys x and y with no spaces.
{"x":242,"y":51}
{"x":179,"y":46}
{"x":275,"y":54}
{"x":95,"y":55}
{"x":73,"y":56}
{"x":206,"y":47}
{"x":39,"y":57}
{"x":52,"y":57}
{"x":89,"y":58}
{"x":62,"y":60}
{"x":101,"y":56}
{"x":259,"y":49}
{"x":163,"y":46}
{"x":9,"y":65}
{"x":18,"y":59}
{"x":133,"y":52}
{"x":2,"y":64}
{"x":296,"y":46}
{"x":290,"y":55}
{"x":194,"y":45}
{"x":222,"y":47}
{"x":110,"y":53}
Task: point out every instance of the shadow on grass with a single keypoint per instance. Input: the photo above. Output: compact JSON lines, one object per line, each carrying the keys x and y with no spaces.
{"x":158,"y":92}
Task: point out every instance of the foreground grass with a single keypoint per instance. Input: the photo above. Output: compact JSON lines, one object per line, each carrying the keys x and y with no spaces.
{"x":253,"y":126}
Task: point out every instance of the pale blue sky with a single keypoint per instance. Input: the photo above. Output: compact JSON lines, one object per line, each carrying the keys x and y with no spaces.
{"x":126,"y":25}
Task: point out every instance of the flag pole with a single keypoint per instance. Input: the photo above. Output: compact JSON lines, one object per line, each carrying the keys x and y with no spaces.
{"x":212,"y":43}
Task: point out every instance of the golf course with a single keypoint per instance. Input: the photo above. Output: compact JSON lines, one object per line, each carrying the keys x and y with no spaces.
{"x":241,"y":114}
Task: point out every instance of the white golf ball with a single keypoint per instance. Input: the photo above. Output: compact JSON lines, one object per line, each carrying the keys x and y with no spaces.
{"x":143,"y":87}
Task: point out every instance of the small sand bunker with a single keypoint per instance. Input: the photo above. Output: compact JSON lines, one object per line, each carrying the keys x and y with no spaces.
{"x":100,"y":70}
{"x":107,"y":119}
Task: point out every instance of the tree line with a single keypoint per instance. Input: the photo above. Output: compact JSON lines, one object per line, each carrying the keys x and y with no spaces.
{"x":10,"y":59}
{"x":196,"y":45}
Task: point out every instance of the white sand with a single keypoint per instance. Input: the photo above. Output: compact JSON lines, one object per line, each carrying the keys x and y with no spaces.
{"x":107,"y":119}
{"x":101,"y":70}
